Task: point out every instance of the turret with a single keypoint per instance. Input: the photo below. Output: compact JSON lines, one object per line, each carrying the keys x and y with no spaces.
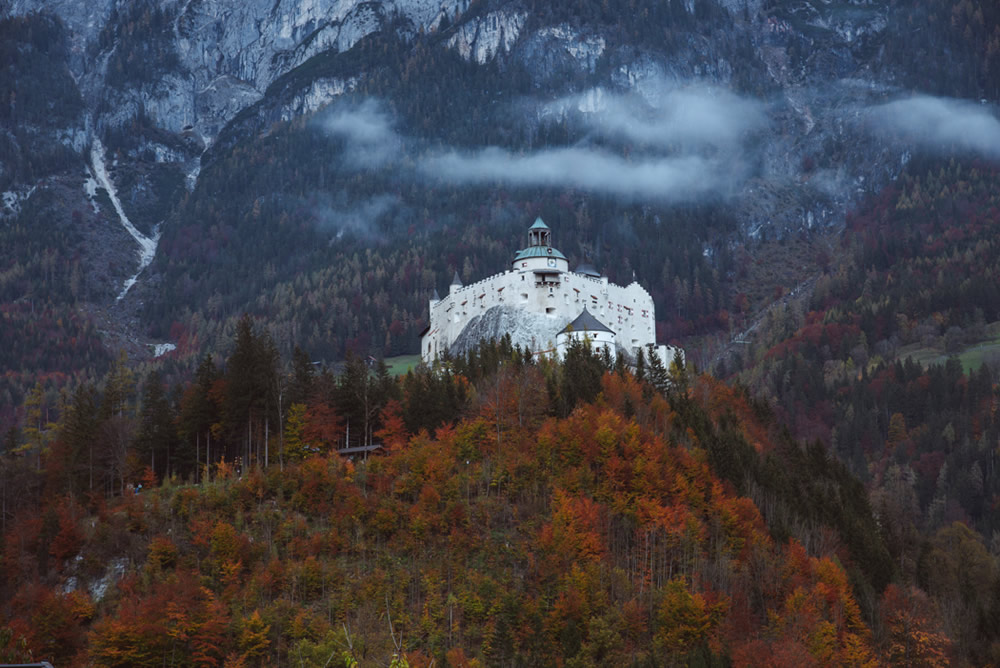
{"x":586,"y":328}
{"x":456,"y":283}
{"x":540,"y":257}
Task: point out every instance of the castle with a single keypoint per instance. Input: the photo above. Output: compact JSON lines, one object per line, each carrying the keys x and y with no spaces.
{"x":543,"y":306}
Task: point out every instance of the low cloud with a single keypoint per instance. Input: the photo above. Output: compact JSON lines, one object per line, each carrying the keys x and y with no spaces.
{"x":367,"y":129}
{"x":661,"y":178}
{"x":692,"y":117}
{"x":686,"y":144}
{"x":939,"y":124}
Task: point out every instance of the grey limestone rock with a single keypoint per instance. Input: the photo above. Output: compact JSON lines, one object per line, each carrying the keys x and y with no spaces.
{"x":532,"y":331}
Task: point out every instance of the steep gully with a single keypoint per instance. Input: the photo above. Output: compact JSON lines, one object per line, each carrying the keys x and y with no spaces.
{"x":147,"y":245}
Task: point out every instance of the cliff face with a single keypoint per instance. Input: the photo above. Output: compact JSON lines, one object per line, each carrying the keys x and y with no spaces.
{"x":225,"y":52}
{"x":220,"y":56}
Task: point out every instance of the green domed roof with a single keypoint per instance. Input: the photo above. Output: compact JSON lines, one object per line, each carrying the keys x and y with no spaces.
{"x":538,"y":251}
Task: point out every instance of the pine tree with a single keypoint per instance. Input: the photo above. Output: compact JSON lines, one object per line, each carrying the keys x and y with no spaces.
{"x":119,"y":388}
{"x":296,"y":448}
{"x":252,"y":392}
{"x":79,"y":434}
{"x":657,"y":375}
{"x":640,"y":366}
{"x":156,"y":435}
{"x":36,"y":427}
{"x":198,"y":413}
{"x":581,"y":376}
{"x":300,"y":388}
{"x":678,"y":375}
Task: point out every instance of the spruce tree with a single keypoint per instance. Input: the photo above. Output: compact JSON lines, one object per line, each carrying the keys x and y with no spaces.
{"x":300,"y":388}
{"x":198,"y":413}
{"x":78,"y":433}
{"x":657,"y":374}
{"x":157,"y":434}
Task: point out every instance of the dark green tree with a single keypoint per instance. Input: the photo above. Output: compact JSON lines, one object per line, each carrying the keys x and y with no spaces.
{"x":157,"y":435}
{"x":198,"y":412}
{"x":78,"y":436}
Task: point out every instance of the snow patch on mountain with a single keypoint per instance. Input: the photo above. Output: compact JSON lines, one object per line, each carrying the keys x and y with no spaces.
{"x":11,"y":201}
{"x":162,"y":348}
{"x":147,"y":245}
{"x":90,"y":188}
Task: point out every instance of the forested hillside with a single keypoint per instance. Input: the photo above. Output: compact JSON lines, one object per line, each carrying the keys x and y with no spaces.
{"x":893,"y":364}
{"x":522,"y":514}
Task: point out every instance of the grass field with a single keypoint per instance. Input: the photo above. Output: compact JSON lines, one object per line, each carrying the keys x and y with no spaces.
{"x":400,"y":364}
{"x":971,"y":357}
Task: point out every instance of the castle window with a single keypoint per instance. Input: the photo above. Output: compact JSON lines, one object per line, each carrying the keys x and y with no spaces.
{"x":550,"y":311}
{"x":524,"y":296}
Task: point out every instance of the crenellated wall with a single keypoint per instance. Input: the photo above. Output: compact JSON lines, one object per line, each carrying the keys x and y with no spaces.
{"x":558,"y":296}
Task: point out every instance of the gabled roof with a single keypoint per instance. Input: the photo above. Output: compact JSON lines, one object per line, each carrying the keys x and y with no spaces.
{"x":538,"y":251}
{"x":587,"y":269}
{"x":539,"y":224}
{"x":585,"y":322}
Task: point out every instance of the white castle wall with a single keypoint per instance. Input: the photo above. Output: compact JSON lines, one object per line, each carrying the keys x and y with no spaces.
{"x":560,"y":295}
{"x":598,"y":341}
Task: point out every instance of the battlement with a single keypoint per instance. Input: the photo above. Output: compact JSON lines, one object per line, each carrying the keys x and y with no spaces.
{"x":541,"y":287}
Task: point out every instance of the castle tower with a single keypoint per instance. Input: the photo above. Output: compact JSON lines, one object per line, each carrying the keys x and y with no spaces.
{"x":586,"y":328}
{"x":539,"y":234}
{"x":540,"y":257}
